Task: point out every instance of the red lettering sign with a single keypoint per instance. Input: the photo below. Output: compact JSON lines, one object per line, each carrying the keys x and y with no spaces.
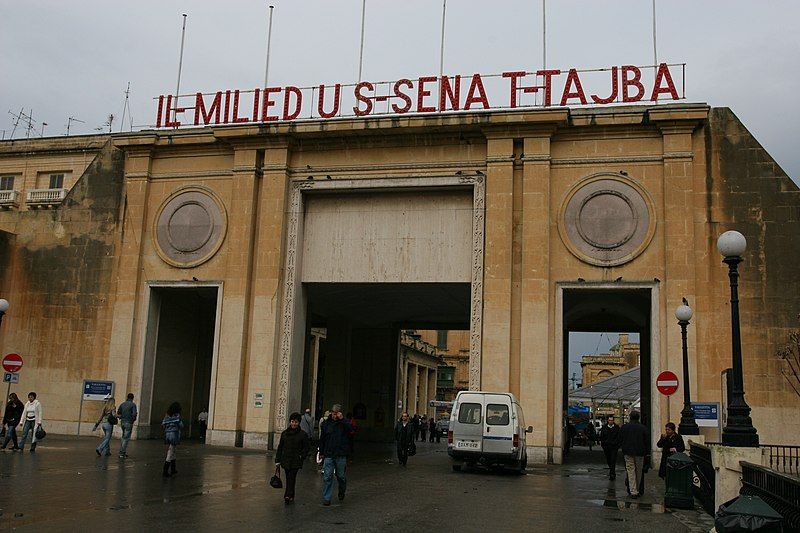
{"x":426,"y":94}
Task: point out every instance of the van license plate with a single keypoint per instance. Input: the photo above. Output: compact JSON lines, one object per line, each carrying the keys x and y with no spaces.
{"x":467,"y":444}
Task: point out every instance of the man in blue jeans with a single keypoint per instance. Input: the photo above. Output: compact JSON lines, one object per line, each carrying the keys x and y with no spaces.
{"x":127,"y":414}
{"x":334,"y":448}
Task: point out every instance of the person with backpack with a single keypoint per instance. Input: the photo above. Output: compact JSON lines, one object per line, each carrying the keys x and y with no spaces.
{"x":108,"y":419}
{"x":172,"y":437}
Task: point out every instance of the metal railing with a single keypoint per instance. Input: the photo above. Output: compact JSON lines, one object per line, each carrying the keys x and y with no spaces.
{"x":780,"y":491}
{"x":8,"y":198}
{"x":783,"y":458}
{"x":46,"y":196}
{"x":704,"y":479}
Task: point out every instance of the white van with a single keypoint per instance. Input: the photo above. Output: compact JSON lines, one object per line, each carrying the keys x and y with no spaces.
{"x":487,"y":428}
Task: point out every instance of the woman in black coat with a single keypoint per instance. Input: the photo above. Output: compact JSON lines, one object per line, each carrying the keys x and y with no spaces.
{"x":404,"y":437}
{"x":11,"y":420}
{"x":292,"y":450}
{"x":670,"y":443}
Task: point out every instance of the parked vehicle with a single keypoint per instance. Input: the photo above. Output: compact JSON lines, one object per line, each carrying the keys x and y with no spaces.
{"x":487,"y":428}
{"x":444,"y":423}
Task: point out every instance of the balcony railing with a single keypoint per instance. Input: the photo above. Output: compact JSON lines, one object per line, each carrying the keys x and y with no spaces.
{"x":45,"y":197}
{"x":783,"y":458}
{"x":9,"y":199}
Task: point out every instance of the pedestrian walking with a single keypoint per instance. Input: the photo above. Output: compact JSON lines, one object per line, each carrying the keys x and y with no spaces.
{"x":415,"y":425}
{"x":590,"y":434}
{"x":423,"y":428}
{"x":32,"y":415}
{"x":307,"y":423}
{"x":322,"y":421}
{"x":127,"y":412}
{"x":292,"y":451}
{"x":635,"y":448}
{"x":404,"y":437}
{"x":11,"y":419}
{"x":670,"y":443}
{"x":439,"y":429}
{"x":108,"y":419}
{"x":334,"y":448}
{"x":431,"y":428}
{"x":172,"y":437}
{"x":571,"y":432}
{"x":202,"y":421}
{"x":610,"y":442}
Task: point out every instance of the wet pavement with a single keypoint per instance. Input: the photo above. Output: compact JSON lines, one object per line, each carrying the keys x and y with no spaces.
{"x":66,"y":487}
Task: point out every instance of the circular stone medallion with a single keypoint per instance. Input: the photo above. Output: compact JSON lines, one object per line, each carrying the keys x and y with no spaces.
{"x":190,"y":227}
{"x":607,"y":220}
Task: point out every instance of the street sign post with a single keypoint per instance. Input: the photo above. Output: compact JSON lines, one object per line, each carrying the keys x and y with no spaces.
{"x":12,"y":362}
{"x":94,"y":390}
{"x":667,"y":383}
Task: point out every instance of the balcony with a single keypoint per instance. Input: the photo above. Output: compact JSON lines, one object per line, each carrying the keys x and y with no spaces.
{"x":9,"y":199}
{"x":45,"y":197}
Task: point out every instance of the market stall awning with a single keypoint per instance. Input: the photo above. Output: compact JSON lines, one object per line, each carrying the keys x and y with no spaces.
{"x":624,"y":387}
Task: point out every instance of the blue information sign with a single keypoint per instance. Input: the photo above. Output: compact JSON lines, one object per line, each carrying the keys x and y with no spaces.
{"x":97,"y":389}
{"x":706,"y":414}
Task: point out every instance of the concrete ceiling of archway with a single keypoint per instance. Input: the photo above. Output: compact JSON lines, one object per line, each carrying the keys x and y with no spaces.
{"x":405,"y":305}
{"x":606,"y":310}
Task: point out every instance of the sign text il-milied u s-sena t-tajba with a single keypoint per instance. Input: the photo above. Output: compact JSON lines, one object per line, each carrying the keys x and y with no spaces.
{"x":426,"y":94}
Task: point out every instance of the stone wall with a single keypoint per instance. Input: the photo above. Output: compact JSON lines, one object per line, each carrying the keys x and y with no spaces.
{"x":58,"y":275}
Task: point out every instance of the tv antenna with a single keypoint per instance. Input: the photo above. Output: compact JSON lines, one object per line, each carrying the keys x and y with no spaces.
{"x":17,"y":118}
{"x":126,"y":108}
{"x":70,"y":120}
{"x":107,"y":124}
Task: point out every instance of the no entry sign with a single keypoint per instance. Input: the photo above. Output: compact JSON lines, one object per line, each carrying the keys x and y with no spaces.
{"x":12,"y":362}
{"x":667,"y":383}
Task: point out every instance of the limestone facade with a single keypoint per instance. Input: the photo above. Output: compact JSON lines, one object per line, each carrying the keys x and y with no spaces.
{"x":623,"y":356}
{"x":538,"y":186}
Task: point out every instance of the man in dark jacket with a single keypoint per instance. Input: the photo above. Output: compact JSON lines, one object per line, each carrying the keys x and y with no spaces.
{"x":334,"y":447}
{"x":609,"y":440}
{"x":635,"y":446}
{"x":404,"y":436}
{"x":670,"y":443}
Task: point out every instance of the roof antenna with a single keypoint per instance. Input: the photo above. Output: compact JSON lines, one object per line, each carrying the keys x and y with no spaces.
{"x":126,"y":108}
{"x":70,"y":120}
{"x":18,"y":116}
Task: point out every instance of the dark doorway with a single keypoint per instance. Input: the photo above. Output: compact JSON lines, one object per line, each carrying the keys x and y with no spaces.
{"x":183,"y":353}
{"x":358,"y":359}
{"x":615,"y":380}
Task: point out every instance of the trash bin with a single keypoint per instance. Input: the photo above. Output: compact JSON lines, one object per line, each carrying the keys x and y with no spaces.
{"x":747,"y":513}
{"x":679,"y":482}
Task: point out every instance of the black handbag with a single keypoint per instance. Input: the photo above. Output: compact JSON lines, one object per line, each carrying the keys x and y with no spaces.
{"x":40,"y":433}
{"x":275,"y":481}
{"x":412,"y":450}
{"x":112,"y":420}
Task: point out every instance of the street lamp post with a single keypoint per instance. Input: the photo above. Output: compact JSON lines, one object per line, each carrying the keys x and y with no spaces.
{"x":688,"y":426}
{"x":738,"y":430}
{"x":3,"y":308}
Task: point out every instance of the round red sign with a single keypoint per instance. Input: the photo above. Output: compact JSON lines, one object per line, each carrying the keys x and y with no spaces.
{"x":12,"y":362}
{"x":667,"y":383}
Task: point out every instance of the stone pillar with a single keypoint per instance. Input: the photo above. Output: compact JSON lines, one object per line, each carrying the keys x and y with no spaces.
{"x":538,"y":355}
{"x":679,"y":253}
{"x":230,"y":400}
{"x":125,"y":350}
{"x":432,"y":377}
{"x":497,"y":265}
{"x":413,"y":395}
{"x":423,"y":390}
{"x":265,"y":310}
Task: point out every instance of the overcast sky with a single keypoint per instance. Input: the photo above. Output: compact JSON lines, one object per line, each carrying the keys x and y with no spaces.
{"x":64,"y":59}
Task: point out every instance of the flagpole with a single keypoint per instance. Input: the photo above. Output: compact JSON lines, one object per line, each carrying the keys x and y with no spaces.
{"x":180,"y":67}
{"x":269,"y":44}
{"x":361,"y":49}
{"x":441,"y":49}
{"x":544,"y":34}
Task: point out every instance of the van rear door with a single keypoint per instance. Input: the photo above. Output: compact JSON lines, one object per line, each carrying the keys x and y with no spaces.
{"x":468,"y":423}
{"x":498,"y":429}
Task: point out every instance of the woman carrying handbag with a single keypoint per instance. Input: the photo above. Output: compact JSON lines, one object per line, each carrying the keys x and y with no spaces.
{"x":108,"y":419}
{"x":292,"y":450}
